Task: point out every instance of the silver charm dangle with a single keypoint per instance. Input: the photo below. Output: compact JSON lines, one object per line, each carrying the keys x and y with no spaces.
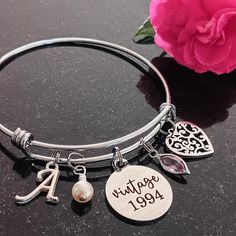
{"x":48,"y":184}
{"x":188,"y":140}
{"x":169,"y":162}
{"x":137,"y":192}
{"x":82,"y":191}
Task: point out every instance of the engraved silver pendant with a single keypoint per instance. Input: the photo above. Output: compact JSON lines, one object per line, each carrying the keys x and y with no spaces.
{"x":188,"y":140}
{"x":139,"y":193}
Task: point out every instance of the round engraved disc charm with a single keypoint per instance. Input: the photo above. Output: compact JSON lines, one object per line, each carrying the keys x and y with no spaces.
{"x":139,"y":193}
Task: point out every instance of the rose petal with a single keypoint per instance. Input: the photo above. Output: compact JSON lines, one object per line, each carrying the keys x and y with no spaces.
{"x":158,"y":9}
{"x":209,"y":55}
{"x":212,"y":6}
{"x":228,"y":65}
{"x":166,"y":46}
{"x":189,"y":59}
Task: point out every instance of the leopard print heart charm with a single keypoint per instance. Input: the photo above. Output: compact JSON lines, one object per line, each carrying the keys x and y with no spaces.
{"x":188,"y":140}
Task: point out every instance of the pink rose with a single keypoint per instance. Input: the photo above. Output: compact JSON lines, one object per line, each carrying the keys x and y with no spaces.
{"x":200,"y":34}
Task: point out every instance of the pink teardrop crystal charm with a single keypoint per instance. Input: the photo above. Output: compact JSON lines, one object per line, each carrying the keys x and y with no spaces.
{"x":173,"y":164}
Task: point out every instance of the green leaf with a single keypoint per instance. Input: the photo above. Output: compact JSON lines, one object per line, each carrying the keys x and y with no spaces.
{"x":145,"y":34}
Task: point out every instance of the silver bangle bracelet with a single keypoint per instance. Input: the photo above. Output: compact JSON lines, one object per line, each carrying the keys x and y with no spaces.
{"x":24,"y":140}
{"x":131,"y":190}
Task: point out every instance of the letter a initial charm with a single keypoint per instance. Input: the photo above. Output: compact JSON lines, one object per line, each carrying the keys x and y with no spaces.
{"x":47,"y":185}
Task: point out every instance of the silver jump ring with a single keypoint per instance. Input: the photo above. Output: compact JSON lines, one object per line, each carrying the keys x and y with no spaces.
{"x":74,"y":168}
{"x":56,"y":154}
{"x":168,"y":131}
{"x":116,"y":166}
{"x":52,"y":164}
{"x":117,"y":155}
{"x":149,"y":148}
{"x":119,"y":162}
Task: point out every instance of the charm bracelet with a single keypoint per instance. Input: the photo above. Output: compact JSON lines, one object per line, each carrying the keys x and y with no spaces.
{"x":135,"y":192}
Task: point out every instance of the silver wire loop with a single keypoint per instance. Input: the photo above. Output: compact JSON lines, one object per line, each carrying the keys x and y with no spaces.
{"x":21,"y":138}
{"x":79,"y":170}
{"x":172,"y":112}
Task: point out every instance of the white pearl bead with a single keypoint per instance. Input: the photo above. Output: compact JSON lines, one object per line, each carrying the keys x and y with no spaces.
{"x":82,"y":191}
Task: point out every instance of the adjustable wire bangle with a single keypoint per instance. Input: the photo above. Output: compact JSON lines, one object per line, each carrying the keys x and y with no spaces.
{"x":23,"y":139}
{"x":135,"y":192}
